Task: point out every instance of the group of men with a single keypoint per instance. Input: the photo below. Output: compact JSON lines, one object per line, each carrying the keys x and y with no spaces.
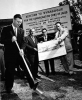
{"x":17,"y":46}
{"x":62,"y":34}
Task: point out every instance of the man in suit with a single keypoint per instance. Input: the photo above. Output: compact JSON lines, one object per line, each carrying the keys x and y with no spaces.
{"x":12,"y":55}
{"x":51,"y":61}
{"x":67,"y":60}
{"x":32,"y":52}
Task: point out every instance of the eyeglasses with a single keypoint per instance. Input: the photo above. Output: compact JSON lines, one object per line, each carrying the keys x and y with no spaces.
{"x":57,"y":26}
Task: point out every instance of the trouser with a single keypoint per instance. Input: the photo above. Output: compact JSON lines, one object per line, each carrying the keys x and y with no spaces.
{"x":46,"y":66}
{"x":52,"y":65}
{"x":46,"y":63}
{"x":80,"y":51}
{"x":64,"y":63}
{"x":10,"y":69}
{"x":2,"y":64}
{"x":70,"y":60}
{"x":33,"y":59}
{"x":67,"y":61}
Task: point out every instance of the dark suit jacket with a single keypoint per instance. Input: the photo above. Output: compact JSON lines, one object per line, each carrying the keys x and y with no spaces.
{"x":30,"y":45}
{"x":42,"y":38}
{"x":32,"y":55}
{"x":11,"y":50}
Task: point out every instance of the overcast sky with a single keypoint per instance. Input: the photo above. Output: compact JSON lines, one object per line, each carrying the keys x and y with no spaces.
{"x":10,"y":7}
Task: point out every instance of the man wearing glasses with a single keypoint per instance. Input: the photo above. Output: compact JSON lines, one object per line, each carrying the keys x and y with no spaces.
{"x":51,"y":61}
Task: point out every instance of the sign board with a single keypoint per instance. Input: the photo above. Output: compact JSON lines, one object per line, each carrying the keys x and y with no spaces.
{"x":47,"y":18}
{"x":47,"y":50}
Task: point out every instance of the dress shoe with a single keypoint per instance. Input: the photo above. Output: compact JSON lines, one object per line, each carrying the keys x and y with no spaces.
{"x":72,"y":72}
{"x":39,"y":77}
{"x":37,"y":80}
{"x":9,"y":91}
{"x":35,"y":86}
{"x":69,"y":73}
{"x":52,"y":73}
{"x":47,"y":75}
{"x":78,"y":67}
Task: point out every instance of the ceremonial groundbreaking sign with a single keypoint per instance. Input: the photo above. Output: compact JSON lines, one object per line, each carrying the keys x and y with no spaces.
{"x":49,"y":49}
{"x":47,"y":18}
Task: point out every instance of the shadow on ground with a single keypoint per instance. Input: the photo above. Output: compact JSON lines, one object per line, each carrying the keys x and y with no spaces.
{"x":64,"y":87}
{"x":60,"y":86}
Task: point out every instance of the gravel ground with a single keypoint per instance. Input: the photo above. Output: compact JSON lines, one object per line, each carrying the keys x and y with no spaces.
{"x":58,"y":87}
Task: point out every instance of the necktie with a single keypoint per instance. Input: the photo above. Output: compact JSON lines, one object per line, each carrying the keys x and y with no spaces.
{"x":33,"y":39}
{"x":15,"y":31}
{"x":45,"y":38}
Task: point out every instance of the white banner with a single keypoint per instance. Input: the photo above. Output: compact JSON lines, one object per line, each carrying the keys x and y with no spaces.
{"x":47,"y":18}
{"x":47,"y":50}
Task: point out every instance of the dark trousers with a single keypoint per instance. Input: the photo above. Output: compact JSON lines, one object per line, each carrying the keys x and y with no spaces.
{"x":2,"y":64}
{"x":46,"y":64}
{"x":80,"y":47}
{"x":10,"y":71}
{"x":64,"y":63}
{"x":33,"y":59}
{"x":52,"y":65}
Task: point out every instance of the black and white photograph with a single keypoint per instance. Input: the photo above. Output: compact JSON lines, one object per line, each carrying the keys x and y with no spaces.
{"x":40,"y":49}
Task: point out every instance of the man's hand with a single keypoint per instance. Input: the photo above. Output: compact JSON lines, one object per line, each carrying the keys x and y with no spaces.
{"x":21,"y":52}
{"x":41,"y":41}
{"x":35,"y":49}
{"x":59,"y":40}
{"x":14,"y":38}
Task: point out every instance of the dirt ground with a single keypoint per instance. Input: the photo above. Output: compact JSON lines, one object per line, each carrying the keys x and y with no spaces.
{"x":55,"y":87}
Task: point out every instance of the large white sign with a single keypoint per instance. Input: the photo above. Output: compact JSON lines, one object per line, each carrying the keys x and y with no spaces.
{"x":47,"y":18}
{"x":47,"y":50}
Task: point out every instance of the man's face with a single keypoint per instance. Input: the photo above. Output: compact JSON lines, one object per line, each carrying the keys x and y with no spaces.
{"x":33,"y":32}
{"x":58,"y":26}
{"x":17,"y":22}
{"x":44,"y":32}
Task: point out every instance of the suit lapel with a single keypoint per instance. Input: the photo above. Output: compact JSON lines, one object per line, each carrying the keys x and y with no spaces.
{"x":18,"y":33}
{"x":32,"y":42}
{"x":11,"y":30}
